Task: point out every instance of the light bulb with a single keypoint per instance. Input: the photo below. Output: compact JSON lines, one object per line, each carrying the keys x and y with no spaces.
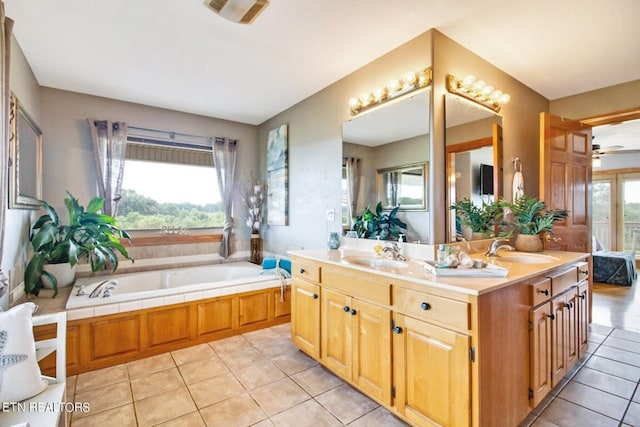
{"x":394,"y":85}
{"x":496,"y":95}
{"x":505,"y":98}
{"x":410,"y":78}
{"x":468,"y":81}
{"x":379,"y":93}
{"x":365,"y":99}
{"x":486,"y":91}
{"x":354,"y":103}
{"x":477,"y":86}
{"x":422,"y":79}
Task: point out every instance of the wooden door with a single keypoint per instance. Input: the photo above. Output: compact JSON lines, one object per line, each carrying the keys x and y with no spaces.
{"x":335,"y":332}
{"x":305,"y":316}
{"x":540,"y":353}
{"x":583,"y":317}
{"x":565,"y":175}
{"x":431,"y":373}
{"x":371,"y":331}
{"x":559,"y":326}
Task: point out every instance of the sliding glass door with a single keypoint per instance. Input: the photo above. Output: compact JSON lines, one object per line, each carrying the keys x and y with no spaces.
{"x":630,"y":203}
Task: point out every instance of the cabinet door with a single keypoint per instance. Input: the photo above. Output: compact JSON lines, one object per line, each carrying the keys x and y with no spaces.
{"x":583,"y":318}
{"x":559,"y":332}
{"x":371,"y":331}
{"x":573,"y":327}
{"x":432,"y":373}
{"x":540,"y":353}
{"x":335,"y":331}
{"x":305,"y":317}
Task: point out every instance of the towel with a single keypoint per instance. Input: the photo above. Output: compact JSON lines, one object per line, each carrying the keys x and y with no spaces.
{"x":268,"y":263}
{"x":285,"y":264}
{"x":518,"y":179}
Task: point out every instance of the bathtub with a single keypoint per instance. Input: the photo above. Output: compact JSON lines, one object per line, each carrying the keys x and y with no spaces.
{"x":163,"y":287}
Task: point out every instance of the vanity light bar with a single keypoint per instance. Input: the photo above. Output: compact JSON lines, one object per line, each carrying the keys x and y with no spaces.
{"x":478,"y":91}
{"x":394,"y":88}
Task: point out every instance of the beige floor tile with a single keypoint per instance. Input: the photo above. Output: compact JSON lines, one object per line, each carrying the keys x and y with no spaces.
{"x":622,"y":344}
{"x":627,"y":335}
{"x":278,"y":396}
{"x":632,"y":417}
{"x":240,"y":411}
{"x":150,"y":365}
{"x":316,"y":380}
{"x":164,"y":407}
{"x":192,"y":419}
{"x":606,"y":382}
{"x":264,"y":423}
{"x":101,"y":378}
{"x":192,"y":354}
{"x":540,"y":422}
{"x":156,"y":383}
{"x":240,"y":357}
{"x":261,"y":335}
{"x":215,"y":389}
{"x":276,"y":347}
{"x":563,"y":413}
{"x":346,"y":403}
{"x":594,"y":399}
{"x":101,"y":399}
{"x":618,"y":355}
{"x":293,"y":362}
{"x":544,"y":403}
{"x":596,"y":338}
{"x":612,"y":367}
{"x":379,"y":417}
{"x":258,"y":374}
{"x":122,"y":416}
{"x":309,"y":413}
{"x":230,"y":344}
{"x":283,"y":329}
{"x":201,"y":370}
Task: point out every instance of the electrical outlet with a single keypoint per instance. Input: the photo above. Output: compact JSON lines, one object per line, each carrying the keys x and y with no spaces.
{"x":331,"y":215}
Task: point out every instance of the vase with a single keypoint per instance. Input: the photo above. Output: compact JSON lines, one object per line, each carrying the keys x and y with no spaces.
{"x":529,"y":243}
{"x":64,"y":273}
{"x":255,"y":249}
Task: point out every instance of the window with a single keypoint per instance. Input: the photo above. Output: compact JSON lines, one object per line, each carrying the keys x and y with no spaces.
{"x":168,"y":185}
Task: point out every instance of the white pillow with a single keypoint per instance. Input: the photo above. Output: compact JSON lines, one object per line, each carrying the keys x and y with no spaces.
{"x":19,"y":371}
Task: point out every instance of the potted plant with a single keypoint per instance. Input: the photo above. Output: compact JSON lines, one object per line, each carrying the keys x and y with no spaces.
{"x":378,"y":224}
{"x":90,"y":235}
{"x":531,"y":220}
{"x":480,"y":219}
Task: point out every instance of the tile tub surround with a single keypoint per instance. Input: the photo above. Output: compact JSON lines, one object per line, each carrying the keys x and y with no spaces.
{"x":275,"y":384}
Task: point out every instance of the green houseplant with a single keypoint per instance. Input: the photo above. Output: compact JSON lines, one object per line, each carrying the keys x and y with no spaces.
{"x":480,"y":219}
{"x":530,"y":216}
{"x":89,"y":235}
{"x":372,"y":224}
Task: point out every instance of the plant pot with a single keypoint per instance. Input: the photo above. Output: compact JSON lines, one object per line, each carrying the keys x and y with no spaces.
{"x":529,"y":243}
{"x":65,"y":274}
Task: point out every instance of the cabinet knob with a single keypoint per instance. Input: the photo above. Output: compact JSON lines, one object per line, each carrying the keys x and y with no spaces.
{"x":551,"y":316}
{"x":583,"y":296}
{"x":314,"y":296}
{"x":545,"y":292}
{"x":353,"y":312}
{"x":397,"y":330}
{"x":346,"y":309}
{"x":567,"y":305}
{"x":425,"y":306}
{"x":585,"y":272}
{"x":302,"y":270}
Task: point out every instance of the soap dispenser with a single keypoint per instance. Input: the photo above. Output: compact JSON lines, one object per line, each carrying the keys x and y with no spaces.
{"x":441,"y":255}
{"x":378,"y":247}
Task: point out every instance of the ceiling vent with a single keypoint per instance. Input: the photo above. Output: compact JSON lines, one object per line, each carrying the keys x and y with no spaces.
{"x":240,"y":11}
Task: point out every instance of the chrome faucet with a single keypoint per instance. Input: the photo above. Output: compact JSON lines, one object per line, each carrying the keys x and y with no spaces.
{"x":105,"y":287}
{"x":394,"y":249}
{"x":496,"y":246}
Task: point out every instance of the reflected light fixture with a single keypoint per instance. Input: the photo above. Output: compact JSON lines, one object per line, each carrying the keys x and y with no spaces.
{"x":478,"y":91}
{"x":596,"y":162}
{"x":239,"y":11}
{"x":394,"y":88}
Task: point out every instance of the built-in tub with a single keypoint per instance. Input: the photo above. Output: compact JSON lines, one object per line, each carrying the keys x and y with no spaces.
{"x":163,"y":287}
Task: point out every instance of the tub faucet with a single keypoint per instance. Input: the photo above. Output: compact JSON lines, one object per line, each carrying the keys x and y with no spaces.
{"x":104,"y":287}
{"x":394,"y":249}
{"x":496,"y":246}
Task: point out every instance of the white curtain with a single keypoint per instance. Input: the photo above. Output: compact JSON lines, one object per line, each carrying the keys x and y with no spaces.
{"x":352,"y":165}
{"x":224,"y":159}
{"x":110,"y":148}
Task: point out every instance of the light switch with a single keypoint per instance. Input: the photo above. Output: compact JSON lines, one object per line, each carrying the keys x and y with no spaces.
{"x":331,"y":215}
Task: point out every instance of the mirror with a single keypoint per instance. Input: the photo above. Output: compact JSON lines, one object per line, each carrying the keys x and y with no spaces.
{"x":25,"y":159}
{"x":474,"y":157}
{"x":392,"y":138}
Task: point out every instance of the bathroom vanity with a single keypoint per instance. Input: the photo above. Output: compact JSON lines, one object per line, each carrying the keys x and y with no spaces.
{"x":452,"y":351}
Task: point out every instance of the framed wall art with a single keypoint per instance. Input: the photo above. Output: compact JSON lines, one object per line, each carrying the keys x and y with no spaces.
{"x":277,"y":176}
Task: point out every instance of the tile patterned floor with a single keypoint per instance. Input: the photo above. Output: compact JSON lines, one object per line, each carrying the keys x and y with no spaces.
{"x":261,"y":379}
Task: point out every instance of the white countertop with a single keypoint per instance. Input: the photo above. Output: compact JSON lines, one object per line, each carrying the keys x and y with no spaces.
{"x":469,"y":285}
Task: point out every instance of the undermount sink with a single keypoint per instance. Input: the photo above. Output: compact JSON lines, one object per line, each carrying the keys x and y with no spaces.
{"x":526,"y":258}
{"x":374,"y":261}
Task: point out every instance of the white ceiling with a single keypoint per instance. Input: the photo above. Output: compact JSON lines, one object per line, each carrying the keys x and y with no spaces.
{"x":178,"y":54}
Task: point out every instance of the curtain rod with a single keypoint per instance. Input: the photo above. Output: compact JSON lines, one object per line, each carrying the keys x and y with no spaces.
{"x":171,"y":133}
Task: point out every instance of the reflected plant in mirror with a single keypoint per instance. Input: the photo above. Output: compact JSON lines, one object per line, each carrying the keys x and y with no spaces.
{"x":372,"y":224}
{"x":480,"y":219}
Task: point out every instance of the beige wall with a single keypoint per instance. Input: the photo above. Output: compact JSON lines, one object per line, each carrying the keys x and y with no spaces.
{"x":597,"y":102}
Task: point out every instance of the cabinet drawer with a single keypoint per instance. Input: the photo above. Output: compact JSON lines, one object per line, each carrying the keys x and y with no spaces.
{"x":436,"y":309}
{"x":539,"y":292}
{"x":563,"y":281}
{"x":583,"y":271}
{"x":307,"y":270}
{"x":360,"y":285}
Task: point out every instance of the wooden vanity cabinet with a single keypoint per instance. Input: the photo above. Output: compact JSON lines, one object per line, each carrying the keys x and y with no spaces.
{"x":305,"y":316}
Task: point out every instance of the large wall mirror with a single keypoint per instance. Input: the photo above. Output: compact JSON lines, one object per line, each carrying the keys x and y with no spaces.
{"x":390,"y":146}
{"x":25,"y":159}
{"x":474,"y":157}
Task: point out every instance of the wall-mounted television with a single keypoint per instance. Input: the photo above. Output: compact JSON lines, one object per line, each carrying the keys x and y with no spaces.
{"x":486,"y":180}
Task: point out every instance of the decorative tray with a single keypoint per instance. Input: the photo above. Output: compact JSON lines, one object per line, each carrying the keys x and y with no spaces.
{"x":487,"y":270}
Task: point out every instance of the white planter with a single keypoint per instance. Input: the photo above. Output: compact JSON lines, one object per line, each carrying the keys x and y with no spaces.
{"x":64,"y":273}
